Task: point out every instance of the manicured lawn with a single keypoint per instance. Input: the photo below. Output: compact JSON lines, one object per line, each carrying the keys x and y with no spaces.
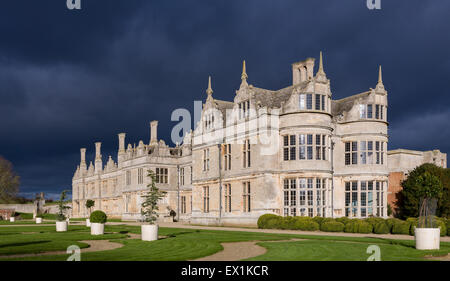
{"x":20,"y":222}
{"x":188,"y":244}
{"x":317,"y":250}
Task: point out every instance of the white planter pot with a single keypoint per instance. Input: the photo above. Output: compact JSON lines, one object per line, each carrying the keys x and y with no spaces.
{"x":61,"y":226}
{"x":88,"y":222}
{"x":97,"y":228}
{"x":149,"y":232}
{"x":427,"y":238}
{"x":38,"y":220}
{"x":12,"y":219}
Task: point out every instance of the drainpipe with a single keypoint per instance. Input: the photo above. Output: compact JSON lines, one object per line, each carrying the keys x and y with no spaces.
{"x":219,"y":146}
{"x":332,"y":179}
{"x":178,"y":194}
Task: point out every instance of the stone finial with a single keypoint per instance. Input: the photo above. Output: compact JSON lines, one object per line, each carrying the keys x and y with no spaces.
{"x":321,"y":76}
{"x":244,"y":75}
{"x":380,"y":86}
{"x":209,"y":91}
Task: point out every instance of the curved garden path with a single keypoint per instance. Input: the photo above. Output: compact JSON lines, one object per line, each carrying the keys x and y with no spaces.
{"x":235,"y":251}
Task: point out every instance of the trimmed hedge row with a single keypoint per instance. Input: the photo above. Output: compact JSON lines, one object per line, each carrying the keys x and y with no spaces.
{"x":344,"y":224}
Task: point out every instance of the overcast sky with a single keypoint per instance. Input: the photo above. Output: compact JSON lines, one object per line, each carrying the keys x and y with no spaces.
{"x":71,"y":78}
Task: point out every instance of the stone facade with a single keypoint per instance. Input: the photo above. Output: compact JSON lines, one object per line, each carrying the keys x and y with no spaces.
{"x":402,"y":161}
{"x":293,"y":151}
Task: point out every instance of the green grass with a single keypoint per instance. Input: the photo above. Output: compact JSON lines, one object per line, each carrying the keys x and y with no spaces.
{"x":189,"y":244}
{"x":21,"y":222}
{"x":317,"y":250}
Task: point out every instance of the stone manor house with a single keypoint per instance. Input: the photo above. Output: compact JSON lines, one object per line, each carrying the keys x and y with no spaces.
{"x":293,"y":151}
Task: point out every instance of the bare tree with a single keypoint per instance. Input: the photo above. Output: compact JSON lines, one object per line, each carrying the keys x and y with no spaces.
{"x":9,"y":181}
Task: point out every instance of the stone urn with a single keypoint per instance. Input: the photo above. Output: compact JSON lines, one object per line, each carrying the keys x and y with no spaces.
{"x":97,"y":228}
{"x":12,"y":219}
{"x":61,"y":226}
{"x":149,"y":232}
{"x":38,"y":220}
{"x":88,"y":222}
{"x":427,"y":238}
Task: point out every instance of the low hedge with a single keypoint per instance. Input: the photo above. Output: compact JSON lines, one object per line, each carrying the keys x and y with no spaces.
{"x":98,"y":217}
{"x":305,"y":224}
{"x":401,"y":227}
{"x":345,"y":224}
{"x":381,"y":228}
{"x":332,"y":226}
{"x":343,"y":220}
{"x":263,"y":221}
{"x":448,"y":227}
{"x":358,"y":226}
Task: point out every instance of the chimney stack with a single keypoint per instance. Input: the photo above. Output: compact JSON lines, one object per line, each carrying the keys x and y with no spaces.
{"x":121,"y":154}
{"x":154,"y":132}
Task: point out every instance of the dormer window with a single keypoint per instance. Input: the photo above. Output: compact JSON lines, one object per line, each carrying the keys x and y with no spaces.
{"x":244,"y":109}
{"x":209,"y":121}
{"x":306,"y":102}
{"x":371,"y":111}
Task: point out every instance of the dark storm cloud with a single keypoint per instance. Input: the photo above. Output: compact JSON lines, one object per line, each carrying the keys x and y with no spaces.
{"x":70,"y":78}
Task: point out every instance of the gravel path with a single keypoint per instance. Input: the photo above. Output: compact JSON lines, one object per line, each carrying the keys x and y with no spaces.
{"x":235,"y":251}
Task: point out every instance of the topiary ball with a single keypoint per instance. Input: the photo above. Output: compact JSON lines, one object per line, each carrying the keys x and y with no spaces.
{"x":98,"y":217}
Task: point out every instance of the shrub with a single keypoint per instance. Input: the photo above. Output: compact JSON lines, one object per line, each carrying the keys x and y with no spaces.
{"x":305,"y":224}
{"x":448,"y":227}
{"x":381,"y":228}
{"x":39,"y":216}
{"x":358,"y":226}
{"x":439,"y":222}
{"x":274,"y":223}
{"x":401,"y":227}
{"x":264,"y":219}
{"x":390,"y":223}
{"x":374,"y":221}
{"x":286,"y":222}
{"x":98,"y":217}
{"x":318,"y":220}
{"x":332,"y":226}
{"x":343,"y":220}
{"x":413,"y":225}
{"x":351,"y":227}
{"x":364,"y":227}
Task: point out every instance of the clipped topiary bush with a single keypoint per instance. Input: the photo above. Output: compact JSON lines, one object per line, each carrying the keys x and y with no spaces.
{"x":287,"y":223}
{"x":440,"y":223}
{"x":343,"y":220}
{"x":413,"y":225}
{"x":364,"y":227}
{"x":374,"y":221}
{"x":401,"y":227}
{"x":262,"y":220}
{"x":448,"y":227}
{"x":358,"y":226}
{"x":351,"y":226}
{"x":318,"y":220}
{"x":305,"y":224}
{"x":332,"y":226}
{"x":381,"y":228}
{"x":98,"y":217}
{"x":390,"y":223}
